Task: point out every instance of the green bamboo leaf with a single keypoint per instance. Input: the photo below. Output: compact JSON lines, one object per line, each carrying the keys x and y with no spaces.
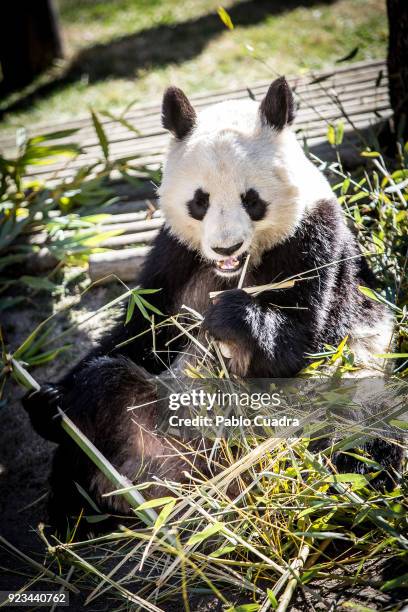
{"x":399,"y":424}
{"x":21,"y":375}
{"x":225,"y":18}
{"x":53,"y":135}
{"x":38,"y":282}
{"x":96,"y":518}
{"x":47,"y":356}
{"x":377,"y":297}
{"x":43,"y":155}
{"x":331,"y":134}
{"x":141,"y":307}
{"x":370,"y":293}
{"x":369,"y":154}
{"x":339,"y":132}
{"x":122,"y":121}
{"x":358,"y":196}
{"x":363,"y":459}
{"x":95,"y":219}
{"x":100,"y":132}
{"x":321,"y":535}
{"x":130,"y":309}
{"x":96,"y":238}
{"x":206,"y":533}
{"x":28,"y":342}
{"x":272,"y":598}
{"x":358,"y":481}
{"x":150,"y":306}
{"x":143,"y":291}
{"x":164,"y":514}
{"x":224,"y":550}
{"x":155,"y":503}
{"x":87,"y":497}
{"x":400,"y":581}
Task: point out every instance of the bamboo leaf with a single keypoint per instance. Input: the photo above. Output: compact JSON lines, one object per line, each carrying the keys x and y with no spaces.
{"x":130,"y":309}
{"x":331,"y":134}
{"x":21,"y":375}
{"x":225,"y":18}
{"x":272,"y":598}
{"x":358,"y":481}
{"x":369,"y":154}
{"x":141,"y":307}
{"x":38,"y":282}
{"x":164,"y":514}
{"x":349,"y":56}
{"x":206,"y":533}
{"x":394,"y":583}
{"x":150,"y":306}
{"x":53,"y":135}
{"x":100,"y":132}
{"x":155,"y":503}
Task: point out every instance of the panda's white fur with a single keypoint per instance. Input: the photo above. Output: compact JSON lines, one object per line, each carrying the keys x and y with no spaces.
{"x":230,"y":151}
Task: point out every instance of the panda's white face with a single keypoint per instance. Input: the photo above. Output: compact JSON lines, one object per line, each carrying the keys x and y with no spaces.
{"x":233,"y":184}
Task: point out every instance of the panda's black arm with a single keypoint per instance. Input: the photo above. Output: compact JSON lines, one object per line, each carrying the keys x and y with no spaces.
{"x":272,"y":340}
{"x":276,"y":330}
{"x":280,"y":338}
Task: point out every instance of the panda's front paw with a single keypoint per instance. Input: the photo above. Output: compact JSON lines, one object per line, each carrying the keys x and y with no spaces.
{"x":42,"y":407}
{"x":226,"y":319}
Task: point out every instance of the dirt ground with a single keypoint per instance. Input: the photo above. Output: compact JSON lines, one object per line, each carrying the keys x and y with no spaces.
{"x":25,"y":457}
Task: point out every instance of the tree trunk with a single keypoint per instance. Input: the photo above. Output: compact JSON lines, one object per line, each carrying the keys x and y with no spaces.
{"x":29,"y":41}
{"x":398,"y":64}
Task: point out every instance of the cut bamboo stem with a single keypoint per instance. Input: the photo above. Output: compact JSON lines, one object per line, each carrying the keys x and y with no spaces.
{"x":292,"y":584}
{"x":260,"y":288}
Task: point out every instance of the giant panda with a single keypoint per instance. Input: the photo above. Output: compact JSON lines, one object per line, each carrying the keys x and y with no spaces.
{"x":235,"y":183}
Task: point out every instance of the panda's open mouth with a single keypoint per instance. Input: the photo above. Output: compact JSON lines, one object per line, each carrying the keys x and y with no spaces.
{"x":230,"y":265}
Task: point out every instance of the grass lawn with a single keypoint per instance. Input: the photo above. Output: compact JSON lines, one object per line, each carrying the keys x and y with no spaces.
{"x":129,"y":50}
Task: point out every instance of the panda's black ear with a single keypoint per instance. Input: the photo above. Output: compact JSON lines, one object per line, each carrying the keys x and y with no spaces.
{"x":278,"y":106}
{"x":178,"y":116}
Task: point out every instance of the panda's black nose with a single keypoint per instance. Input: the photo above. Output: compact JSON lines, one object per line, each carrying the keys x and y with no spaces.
{"x":228,"y":250}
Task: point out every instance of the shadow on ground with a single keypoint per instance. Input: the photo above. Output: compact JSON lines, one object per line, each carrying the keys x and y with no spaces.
{"x":158,"y":46}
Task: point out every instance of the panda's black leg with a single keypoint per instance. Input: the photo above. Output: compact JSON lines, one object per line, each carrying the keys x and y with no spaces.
{"x":96,"y":398}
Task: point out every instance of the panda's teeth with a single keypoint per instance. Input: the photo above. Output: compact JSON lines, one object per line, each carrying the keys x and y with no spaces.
{"x":232,"y":263}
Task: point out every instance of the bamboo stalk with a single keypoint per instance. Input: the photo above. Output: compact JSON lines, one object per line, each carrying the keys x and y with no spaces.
{"x":260,"y":288}
{"x":292,"y":584}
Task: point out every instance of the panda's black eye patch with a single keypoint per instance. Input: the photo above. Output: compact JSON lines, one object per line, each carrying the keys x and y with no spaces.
{"x":253,"y":204}
{"x":198,"y":205}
